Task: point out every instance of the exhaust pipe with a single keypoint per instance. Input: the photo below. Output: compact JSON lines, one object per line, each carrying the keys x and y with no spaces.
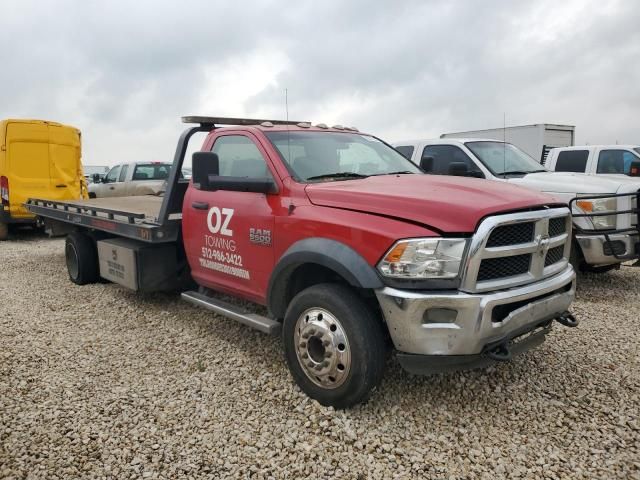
{"x":567,"y":319}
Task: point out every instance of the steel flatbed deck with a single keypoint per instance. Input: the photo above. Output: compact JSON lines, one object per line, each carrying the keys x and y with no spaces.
{"x":131,"y":217}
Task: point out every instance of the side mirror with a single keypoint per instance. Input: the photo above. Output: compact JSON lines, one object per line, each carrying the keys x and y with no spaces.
{"x":458,"y":169}
{"x":426,"y":163}
{"x":634,"y":169}
{"x":203,"y":165}
{"x":96,"y":178}
{"x":205,"y":174}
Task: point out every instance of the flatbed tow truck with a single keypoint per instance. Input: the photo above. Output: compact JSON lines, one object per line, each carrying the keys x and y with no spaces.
{"x":352,"y":249}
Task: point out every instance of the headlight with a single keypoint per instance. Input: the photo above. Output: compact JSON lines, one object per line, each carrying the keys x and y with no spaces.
{"x":423,"y":258}
{"x":600,"y":205}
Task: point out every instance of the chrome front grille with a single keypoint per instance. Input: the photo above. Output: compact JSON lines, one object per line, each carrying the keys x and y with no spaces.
{"x":492,"y":268}
{"x":511,"y":234}
{"x":557,"y":226}
{"x":517,"y":248}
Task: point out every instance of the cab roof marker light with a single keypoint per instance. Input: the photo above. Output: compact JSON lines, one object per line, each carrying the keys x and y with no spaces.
{"x":322,"y":125}
{"x":304,"y":124}
{"x":338,"y":127}
{"x":267,"y":124}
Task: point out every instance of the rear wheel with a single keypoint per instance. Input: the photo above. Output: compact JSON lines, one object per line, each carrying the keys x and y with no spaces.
{"x":82,"y":258}
{"x":4,"y":231}
{"x":92,"y":195}
{"x":334,"y":345}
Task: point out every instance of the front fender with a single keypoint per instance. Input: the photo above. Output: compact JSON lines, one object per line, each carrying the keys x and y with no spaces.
{"x":331,"y":254}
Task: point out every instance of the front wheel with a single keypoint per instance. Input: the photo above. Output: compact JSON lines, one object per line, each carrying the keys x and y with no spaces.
{"x":4,"y":231}
{"x":334,"y":345}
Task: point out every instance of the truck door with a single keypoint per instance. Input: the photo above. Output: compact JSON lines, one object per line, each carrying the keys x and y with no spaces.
{"x":108,"y":187}
{"x":228,"y":235}
{"x":64,"y":162}
{"x":27,"y":164}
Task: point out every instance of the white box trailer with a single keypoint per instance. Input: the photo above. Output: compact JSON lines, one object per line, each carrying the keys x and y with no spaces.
{"x":536,"y":140}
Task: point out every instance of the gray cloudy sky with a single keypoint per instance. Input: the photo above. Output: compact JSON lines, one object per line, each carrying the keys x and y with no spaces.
{"x":124,"y":72}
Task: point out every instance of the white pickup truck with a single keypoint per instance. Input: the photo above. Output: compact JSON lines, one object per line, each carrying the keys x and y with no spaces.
{"x":603,"y":239}
{"x":129,"y":179}
{"x":596,"y":160}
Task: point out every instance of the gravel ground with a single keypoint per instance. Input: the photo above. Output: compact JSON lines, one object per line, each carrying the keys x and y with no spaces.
{"x":98,"y":382}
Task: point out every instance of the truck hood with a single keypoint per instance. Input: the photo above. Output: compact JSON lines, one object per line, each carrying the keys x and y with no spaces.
{"x":447,"y":204}
{"x":567,"y":182}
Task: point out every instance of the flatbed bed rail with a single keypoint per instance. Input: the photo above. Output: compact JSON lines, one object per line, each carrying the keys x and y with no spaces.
{"x":135,"y":225}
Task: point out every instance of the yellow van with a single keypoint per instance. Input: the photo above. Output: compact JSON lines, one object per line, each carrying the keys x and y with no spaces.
{"x":38,"y":159}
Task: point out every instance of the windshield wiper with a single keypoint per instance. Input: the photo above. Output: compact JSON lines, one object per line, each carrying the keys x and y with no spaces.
{"x":392,"y":173}
{"x":338,"y":175}
{"x":521,"y":172}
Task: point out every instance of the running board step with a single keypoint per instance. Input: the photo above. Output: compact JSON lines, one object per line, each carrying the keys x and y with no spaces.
{"x":263,"y":324}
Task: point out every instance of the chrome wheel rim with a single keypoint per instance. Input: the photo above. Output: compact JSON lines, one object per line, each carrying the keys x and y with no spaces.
{"x":322,"y":348}
{"x":72,"y":260}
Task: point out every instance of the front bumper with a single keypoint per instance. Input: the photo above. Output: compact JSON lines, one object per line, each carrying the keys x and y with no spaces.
{"x":597,"y":251}
{"x":476,"y":321}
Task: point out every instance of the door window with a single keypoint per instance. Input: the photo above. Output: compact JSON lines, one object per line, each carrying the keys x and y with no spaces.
{"x":238,"y":156}
{"x":443,"y":156}
{"x":123,"y":173}
{"x":572,"y":161}
{"x":615,"y":161}
{"x":406,"y":151}
{"x":112,"y":176}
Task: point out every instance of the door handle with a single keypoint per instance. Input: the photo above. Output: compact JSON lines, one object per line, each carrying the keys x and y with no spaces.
{"x":112,"y":188}
{"x":200,"y":205}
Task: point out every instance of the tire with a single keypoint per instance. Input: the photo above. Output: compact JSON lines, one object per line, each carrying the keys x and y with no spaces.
{"x":602,"y":269}
{"x":82,"y":258}
{"x":92,"y":195}
{"x":4,"y":231}
{"x":576,"y":259}
{"x":579,"y":265}
{"x":334,"y":345}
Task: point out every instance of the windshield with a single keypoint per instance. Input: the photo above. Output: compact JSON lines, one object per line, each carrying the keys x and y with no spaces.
{"x":503,"y":158}
{"x":314,"y":156}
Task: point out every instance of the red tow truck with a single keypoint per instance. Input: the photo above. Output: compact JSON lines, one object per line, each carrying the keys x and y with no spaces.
{"x":350,"y":246}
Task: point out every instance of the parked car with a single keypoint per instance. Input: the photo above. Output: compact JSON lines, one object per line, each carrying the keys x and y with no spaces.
{"x":602,"y":241}
{"x":596,"y":160}
{"x":535,"y":140}
{"x":346,"y":243}
{"x":131,"y":179}
{"x":94,"y":173}
{"x":38,"y":158}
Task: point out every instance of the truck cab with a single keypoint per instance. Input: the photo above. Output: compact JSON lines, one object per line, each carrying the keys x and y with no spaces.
{"x":605,"y":210}
{"x":605,"y":160}
{"x":345,"y":245}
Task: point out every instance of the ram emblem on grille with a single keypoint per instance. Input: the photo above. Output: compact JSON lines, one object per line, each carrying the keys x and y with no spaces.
{"x":542,"y":243}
